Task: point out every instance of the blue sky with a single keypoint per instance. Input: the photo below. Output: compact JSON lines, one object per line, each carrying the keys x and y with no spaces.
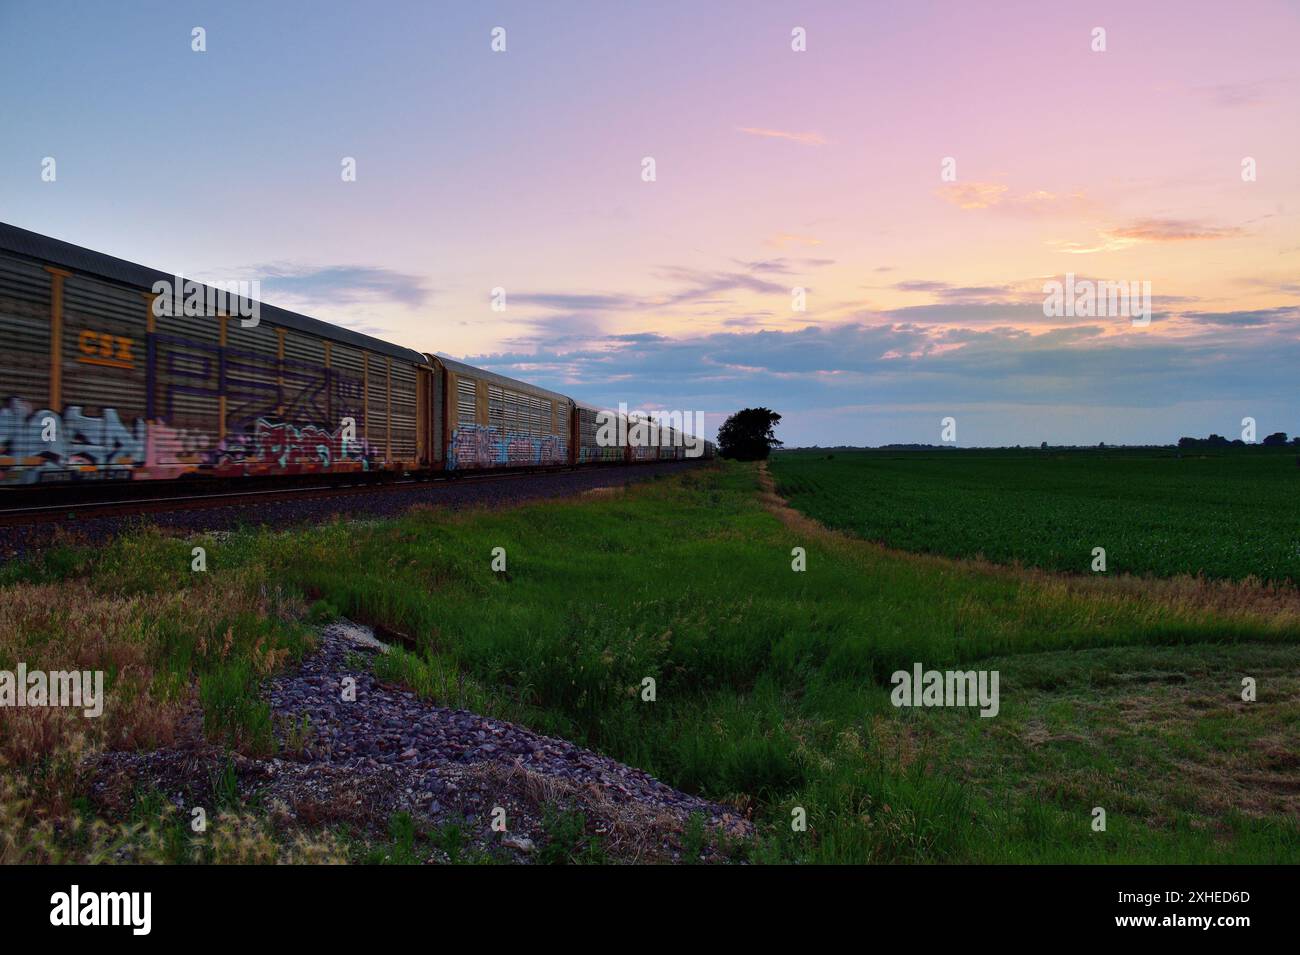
{"x":817,"y":169}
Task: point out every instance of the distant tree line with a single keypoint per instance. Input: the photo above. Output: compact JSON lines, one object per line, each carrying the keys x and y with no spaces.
{"x":1277,"y":439}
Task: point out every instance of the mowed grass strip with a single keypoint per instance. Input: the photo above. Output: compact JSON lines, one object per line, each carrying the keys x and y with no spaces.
{"x":773,"y":686}
{"x":1229,"y":514}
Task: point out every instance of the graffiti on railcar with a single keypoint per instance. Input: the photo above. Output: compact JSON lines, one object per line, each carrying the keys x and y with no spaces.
{"x":272,"y":446}
{"x":41,"y":444}
{"x":589,"y":453}
{"x":253,"y":384}
{"x":484,"y":446}
{"x":171,"y":452}
{"x":175,"y":437}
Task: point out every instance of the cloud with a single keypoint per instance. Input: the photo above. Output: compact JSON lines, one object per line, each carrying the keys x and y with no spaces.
{"x":574,"y":301}
{"x":992,"y":195}
{"x":1238,"y":95}
{"x":641,"y":337}
{"x":1148,"y":230}
{"x":1040,"y":202}
{"x":899,"y":361}
{"x":1102,"y":244}
{"x":869,"y":376}
{"x":574,"y":318}
{"x":921,"y":286}
{"x":997,"y":296}
{"x":1173,"y":230}
{"x":783,"y":266}
{"x":973,"y":312}
{"x":698,"y":285}
{"x":972,"y":195}
{"x":806,"y":139}
{"x":558,"y":330}
{"x":1281,"y":287}
{"x":1262,"y":316}
{"x":955,"y":293}
{"x":342,"y":284}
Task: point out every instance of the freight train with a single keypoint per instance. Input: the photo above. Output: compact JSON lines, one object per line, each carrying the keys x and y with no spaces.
{"x":101,"y":383}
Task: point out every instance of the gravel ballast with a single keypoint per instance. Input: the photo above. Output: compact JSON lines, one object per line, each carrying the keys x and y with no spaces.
{"x":359,"y":761}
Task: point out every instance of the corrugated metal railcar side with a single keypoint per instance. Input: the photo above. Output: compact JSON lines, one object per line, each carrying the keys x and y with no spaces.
{"x":102,"y":385}
{"x":30,"y":394}
{"x":668,"y":443}
{"x":641,"y":448}
{"x":590,"y":450}
{"x":491,"y":421}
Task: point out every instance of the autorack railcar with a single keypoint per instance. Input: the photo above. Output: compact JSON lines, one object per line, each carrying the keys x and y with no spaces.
{"x":100,"y":383}
{"x":492,"y":421}
{"x":590,"y":450}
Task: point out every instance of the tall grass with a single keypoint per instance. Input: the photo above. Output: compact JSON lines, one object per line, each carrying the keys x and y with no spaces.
{"x":771,"y":686}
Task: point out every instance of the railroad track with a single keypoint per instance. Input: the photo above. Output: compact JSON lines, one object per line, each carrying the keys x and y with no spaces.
{"x":84,"y":510}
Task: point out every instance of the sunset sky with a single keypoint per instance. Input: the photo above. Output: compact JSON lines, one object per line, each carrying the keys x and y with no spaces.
{"x":775,"y":169}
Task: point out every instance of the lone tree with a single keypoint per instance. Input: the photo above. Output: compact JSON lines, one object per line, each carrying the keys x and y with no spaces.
{"x":748,"y":435}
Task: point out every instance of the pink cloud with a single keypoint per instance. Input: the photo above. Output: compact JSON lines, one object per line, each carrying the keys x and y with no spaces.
{"x":972,"y":195}
{"x":807,"y":139}
{"x":1173,"y":230}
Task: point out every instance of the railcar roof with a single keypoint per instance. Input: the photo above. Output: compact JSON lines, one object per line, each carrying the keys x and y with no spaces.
{"x":85,"y":261}
{"x":590,"y":407}
{"x":460,"y":368}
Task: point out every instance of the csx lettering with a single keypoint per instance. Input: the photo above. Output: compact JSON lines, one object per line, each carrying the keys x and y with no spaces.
{"x":103,"y":348}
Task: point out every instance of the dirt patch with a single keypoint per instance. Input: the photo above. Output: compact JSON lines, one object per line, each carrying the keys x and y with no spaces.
{"x":604,"y":492}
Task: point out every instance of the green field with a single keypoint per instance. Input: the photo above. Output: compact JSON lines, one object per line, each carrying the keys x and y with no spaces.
{"x":773,"y":685}
{"x":1230,"y":514}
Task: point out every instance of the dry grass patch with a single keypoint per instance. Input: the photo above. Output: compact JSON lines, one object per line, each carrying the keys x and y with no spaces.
{"x":149,"y":646}
{"x":631,"y":831}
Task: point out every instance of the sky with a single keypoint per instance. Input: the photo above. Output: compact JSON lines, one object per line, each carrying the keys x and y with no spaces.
{"x":920,"y":170}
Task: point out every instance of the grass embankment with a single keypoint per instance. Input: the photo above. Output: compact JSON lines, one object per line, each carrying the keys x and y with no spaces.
{"x":772,"y":685}
{"x":1225,"y":514}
